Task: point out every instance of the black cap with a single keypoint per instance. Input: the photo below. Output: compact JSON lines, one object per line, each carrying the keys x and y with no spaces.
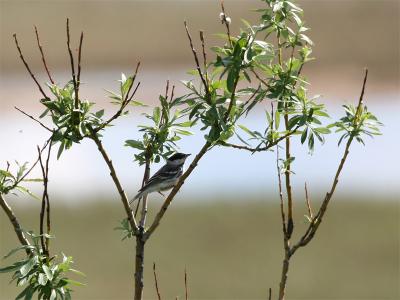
{"x":178,"y":156}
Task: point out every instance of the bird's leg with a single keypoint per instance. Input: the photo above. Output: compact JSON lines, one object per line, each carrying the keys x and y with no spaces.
{"x":162,"y":194}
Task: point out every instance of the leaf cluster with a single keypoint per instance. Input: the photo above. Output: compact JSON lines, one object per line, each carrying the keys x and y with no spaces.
{"x":40,"y":274}
{"x":10,"y":182}
{"x":356,"y":123}
{"x":71,"y":122}
{"x":166,"y":128}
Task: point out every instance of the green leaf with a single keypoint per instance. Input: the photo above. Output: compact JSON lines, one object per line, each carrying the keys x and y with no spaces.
{"x":277,"y":119}
{"x":248,"y":131}
{"x":42,"y":279}
{"x":311,"y":142}
{"x":156,"y":115}
{"x":100,"y":113}
{"x":27,"y":191}
{"x":73,"y":282}
{"x":185,"y":124}
{"x":322,"y":130}
{"x":15,"y":266}
{"x":25,"y":292}
{"x":28,"y":266}
{"x":33,"y":180}
{"x":60,"y":149}
{"x":48,"y":273}
{"x":304,"y":135}
{"x":53,"y":295}
{"x":137,"y":103}
{"x":24,"y":247}
{"x":77,"y":272}
{"x":230,"y":81}
{"x":126,"y":86}
{"x":183,"y":132}
{"x":135,"y":144}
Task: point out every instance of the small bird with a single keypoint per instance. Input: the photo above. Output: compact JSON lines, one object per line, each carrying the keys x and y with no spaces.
{"x":165,"y":178}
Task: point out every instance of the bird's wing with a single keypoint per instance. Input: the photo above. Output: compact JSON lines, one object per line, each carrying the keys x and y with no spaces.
{"x":164,"y":173}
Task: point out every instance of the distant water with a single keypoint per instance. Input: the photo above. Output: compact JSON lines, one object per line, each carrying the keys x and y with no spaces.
{"x":371,"y":172}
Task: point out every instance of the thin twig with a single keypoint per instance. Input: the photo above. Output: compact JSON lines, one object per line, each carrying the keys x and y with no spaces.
{"x":186,"y":286}
{"x":48,"y":219}
{"x":78,"y":81}
{"x":27,"y":67}
{"x":15,"y":223}
{"x":32,"y":167}
{"x":146,"y":177}
{"x":71,"y":57}
{"x":172,"y":93}
{"x":43,"y":207}
{"x":278,"y":169}
{"x":260,"y":149}
{"x":204,"y":51}
{"x":113,"y":174}
{"x":269,"y":294}
{"x":43,"y":56}
{"x":203,"y":80}
{"x":259,"y":78}
{"x":225,"y":21}
{"x":33,"y":118}
{"x":290,"y":224}
{"x":308,"y":202}
{"x":286,"y":243}
{"x":167,"y":89}
{"x":156,"y":281}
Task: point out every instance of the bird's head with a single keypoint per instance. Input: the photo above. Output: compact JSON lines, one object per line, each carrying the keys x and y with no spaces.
{"x":177,"y":158}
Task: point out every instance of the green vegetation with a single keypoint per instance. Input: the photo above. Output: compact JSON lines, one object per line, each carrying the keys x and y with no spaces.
{"x":359,"y":239}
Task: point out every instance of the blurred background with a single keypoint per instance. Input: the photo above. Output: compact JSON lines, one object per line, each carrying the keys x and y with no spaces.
{"x":224,"y":225}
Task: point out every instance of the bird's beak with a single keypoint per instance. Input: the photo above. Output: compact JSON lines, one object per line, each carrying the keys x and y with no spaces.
{"x":188,"y":154}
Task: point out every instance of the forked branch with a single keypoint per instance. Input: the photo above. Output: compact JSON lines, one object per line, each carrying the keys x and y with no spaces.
{"x":316,"y":220}
{"x":28,"y":68}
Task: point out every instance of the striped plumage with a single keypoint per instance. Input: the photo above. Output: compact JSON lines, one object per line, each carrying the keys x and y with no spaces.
{"x":165,"y":178}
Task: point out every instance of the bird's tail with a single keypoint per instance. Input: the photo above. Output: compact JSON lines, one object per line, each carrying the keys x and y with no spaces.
{"x":138,"y":195}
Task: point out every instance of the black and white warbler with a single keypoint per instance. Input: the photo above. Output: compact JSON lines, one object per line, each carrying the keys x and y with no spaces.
{"x":165,"y":178}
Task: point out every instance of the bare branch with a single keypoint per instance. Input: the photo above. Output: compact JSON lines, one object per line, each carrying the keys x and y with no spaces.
{"x":172,"y":93}
{"x":156,"y":281}
{"x":27,"y":67}
{"x":78,"y":81}
{"x":34,"y":119}
{"x":71,"y":57}
{"x":167,"y":89}
{"x":280,"y":193}
{"x":43,"y":56}
{"x":204,"y":51}
{"x":226,"y":21}
{"x":203,"y":80}
{"x":260,"y":149}
{"x":113,"y":174}
{"x":308,"y":202}
{"x":186,"y":286}
{"x":43,"y":207}
{"x":15,"y":223}
{"x":286,"y":241}
{"x":146,"y":177}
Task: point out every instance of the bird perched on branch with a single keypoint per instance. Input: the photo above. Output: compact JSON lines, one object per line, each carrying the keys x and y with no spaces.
{"x":165,"y":178}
